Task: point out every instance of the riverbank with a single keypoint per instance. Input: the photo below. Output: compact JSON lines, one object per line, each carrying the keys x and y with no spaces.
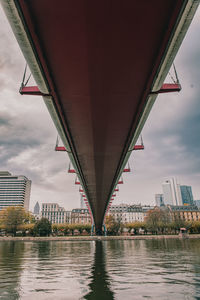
{"x":97,"y":238}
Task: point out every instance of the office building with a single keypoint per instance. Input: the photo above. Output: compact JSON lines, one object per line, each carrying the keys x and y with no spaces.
{"x":187,"y":196}
{"x":55,"y":214}
{"x":172,"y":192}
{"x":36,"y":210}
{"x":197,"y":203}
{"x":159,"y":200}
{"x":14,"y":190}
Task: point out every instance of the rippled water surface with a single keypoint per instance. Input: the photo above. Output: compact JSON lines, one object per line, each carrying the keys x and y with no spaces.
{"x":140,"y":269}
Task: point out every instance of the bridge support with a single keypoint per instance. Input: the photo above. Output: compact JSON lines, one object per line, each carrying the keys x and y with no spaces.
{"x":92,"y":230}
{"x":105,"y":230}
{"x":101,"y":231}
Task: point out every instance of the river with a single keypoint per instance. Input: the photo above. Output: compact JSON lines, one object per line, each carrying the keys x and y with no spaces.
{"x":116,"y":269}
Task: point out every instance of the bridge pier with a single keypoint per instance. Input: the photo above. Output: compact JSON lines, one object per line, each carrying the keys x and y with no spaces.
{"x":101,"y":231}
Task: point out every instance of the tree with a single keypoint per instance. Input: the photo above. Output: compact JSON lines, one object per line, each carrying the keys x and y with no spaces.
{"x":178,"y":223}
{"x":112,"y":226}
{"x":29,"y":218}
{"x":143,"y":226}
{"x":195,"y":227}
{"x":135,"y":226}
{"x":42,"y":227}
{"x":87,"y":228}
{"x":12,"y":217}
{"x":157,"y":220}
{"x":80,"y":228}
{"x":60,"y":229}
{"x":72,"y":227}
{"x":26,"y":229}
{"x":130,"y":227}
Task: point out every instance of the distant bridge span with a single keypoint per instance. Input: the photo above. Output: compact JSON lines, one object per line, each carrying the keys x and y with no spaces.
{"x":99,"y":66}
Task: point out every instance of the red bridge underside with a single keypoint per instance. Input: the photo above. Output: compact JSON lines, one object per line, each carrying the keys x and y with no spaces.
{"x":99,"y":59}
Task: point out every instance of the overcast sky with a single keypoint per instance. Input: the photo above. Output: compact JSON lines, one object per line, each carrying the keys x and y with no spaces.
{"x":171,"y":134}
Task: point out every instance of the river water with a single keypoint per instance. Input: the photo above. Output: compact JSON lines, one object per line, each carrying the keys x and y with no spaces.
{"x":140,"y":269}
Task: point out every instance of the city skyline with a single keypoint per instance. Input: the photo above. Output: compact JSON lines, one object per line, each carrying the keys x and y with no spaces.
{"x":170,"y":134}
{"x":174,"y":193}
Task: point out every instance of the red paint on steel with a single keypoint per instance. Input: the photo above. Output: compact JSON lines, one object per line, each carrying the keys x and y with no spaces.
{"x":71,"y":171}
{"x":58,"y":148}
{"x":126,"y":170}
{"x":168,"y":88}
{"x":31,"y":90}
{"x":138,"y":147}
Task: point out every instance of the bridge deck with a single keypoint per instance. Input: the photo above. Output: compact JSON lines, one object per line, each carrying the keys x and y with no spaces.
{"x":99,"y":61}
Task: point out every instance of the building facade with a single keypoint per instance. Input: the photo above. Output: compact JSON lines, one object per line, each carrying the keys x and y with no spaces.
{"x":187,"y":196}
{"x":55,"y":214}
{"x":159,"y":199}
{"x":80,"y":216}
{"x":185,"y":213}
{"x":172,"y":192}
{"x":14,"y":190}
{"x":197,"y":203}
{"x":119,"y":212}
{"x":125,"y":213}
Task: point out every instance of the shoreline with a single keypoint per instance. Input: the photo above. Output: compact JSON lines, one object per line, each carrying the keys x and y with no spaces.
{"x":97,"y":238}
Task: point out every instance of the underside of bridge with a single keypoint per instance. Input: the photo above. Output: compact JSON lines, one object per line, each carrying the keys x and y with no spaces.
{"x":96,"y":64}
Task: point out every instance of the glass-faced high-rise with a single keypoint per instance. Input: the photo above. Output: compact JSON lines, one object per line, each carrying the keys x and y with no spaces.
{"x":36,"y":210}
{"x":14,"y":190}
{"x":172,"y":192}
{"x":187,"y":196}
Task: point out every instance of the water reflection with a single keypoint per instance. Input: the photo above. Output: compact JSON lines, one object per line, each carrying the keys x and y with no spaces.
{"x":153,"y":269}
{"x":11,"y":267}
{"x":100,"y":281}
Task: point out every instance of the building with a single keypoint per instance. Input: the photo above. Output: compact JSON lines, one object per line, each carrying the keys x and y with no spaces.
{"x":117,"y":208}
{"x":55,"y":214}
{"x":186,"y":213}
{"x":80,"y":216}
{"x":14,"y":190}
{"x":172,"y":192}
{"x":146,"y":208}
{"x":186,"y":194}
{"x":197,"y":203}
{"x":135,"y":213}
{"x":125,"y":213}
{"x":159,"y":199}
{"x":119,"y":212}
{"x":36,"y":210}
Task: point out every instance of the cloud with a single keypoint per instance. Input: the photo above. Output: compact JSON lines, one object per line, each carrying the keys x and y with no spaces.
{"x":27,"y":133}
